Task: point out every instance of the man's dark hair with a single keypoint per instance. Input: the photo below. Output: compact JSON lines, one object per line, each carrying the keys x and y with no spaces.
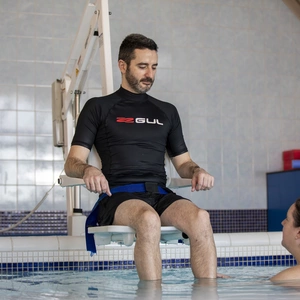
{"x":296,"y":213}
{"x":132,"y":42}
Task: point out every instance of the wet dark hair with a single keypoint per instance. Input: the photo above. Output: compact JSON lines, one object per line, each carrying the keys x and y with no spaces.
{"x":296,"y":213}
{"x":132,"y":42}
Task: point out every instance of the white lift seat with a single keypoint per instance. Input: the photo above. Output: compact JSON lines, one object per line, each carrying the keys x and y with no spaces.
{"x":125,"y":235}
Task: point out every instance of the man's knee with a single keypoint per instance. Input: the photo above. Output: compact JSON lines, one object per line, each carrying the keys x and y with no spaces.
{"x":149,"y":219}
{"x":148,"y":224}
{"x":203,"y":215}
{"x":197,"y":223}
{"x":201,"y":219}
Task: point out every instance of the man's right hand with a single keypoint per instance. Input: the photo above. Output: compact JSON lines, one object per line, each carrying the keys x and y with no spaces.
{"x":95,"y":181}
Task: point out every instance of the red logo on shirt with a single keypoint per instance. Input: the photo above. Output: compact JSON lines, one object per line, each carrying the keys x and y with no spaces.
{"x":125,"y":120}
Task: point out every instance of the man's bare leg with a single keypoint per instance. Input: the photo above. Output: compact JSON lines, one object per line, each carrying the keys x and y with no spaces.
{"x":149,"y":290}
{"x":195,"y":222}
{"x":145,"y":220}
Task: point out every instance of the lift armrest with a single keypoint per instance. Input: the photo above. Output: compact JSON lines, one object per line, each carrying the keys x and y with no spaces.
{"x":66,"y":181}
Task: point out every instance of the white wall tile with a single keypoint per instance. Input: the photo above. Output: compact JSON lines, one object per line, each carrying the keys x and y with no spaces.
{"x":8,"y":171}
{"x":43,"y":148}
{"x":8,"y":122}
{"x":26,"y":196}
{"x":8,"y":97}
{"x":44,"y":173}
{"x":10,"y":51}
{"x":26,"y":124}
{"x":9,"y":23}
{"x":8,"y":196}
{"x":43,"y":122}
{"x":26,"y":171}
{"x":8,"y":147}
{"x":26,"y":147}
{"x":26,"y":98}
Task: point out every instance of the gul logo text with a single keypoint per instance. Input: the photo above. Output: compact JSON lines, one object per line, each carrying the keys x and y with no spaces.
{"x":138,"y":120}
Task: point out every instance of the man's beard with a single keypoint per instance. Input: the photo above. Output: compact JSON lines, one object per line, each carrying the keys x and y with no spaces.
{"x":134,"y":83}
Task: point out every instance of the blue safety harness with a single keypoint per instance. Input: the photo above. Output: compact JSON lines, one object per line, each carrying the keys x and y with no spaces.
{"x":91,"y":220}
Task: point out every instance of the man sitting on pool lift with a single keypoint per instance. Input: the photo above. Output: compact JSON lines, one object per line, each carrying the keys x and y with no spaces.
{"x":132,"y":131}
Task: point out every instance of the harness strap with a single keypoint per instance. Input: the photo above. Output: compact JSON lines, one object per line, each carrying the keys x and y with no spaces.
{"x":91,"y":220}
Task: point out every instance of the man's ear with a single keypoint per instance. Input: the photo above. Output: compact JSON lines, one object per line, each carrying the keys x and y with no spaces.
{"x":298,"y":234}
{"x":122,"y":66}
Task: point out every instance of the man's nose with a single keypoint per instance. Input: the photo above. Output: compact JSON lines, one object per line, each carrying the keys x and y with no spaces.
{"x":150,"y":73}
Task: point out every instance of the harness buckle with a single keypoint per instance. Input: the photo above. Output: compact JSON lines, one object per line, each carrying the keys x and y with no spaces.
{"x":151,"y":187}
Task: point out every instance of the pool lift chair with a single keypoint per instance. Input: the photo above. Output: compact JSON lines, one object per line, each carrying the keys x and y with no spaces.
{"x":93,"y":35}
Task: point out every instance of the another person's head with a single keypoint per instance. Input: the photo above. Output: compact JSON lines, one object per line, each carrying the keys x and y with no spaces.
{"x":291,"y":228}
{"x":137,"y":62}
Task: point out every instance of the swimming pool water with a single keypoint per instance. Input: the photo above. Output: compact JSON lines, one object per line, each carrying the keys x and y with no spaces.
{"x":245,"y":283}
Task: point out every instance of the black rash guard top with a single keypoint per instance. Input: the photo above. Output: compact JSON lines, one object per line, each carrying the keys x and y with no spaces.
{"x":131,"y":133}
